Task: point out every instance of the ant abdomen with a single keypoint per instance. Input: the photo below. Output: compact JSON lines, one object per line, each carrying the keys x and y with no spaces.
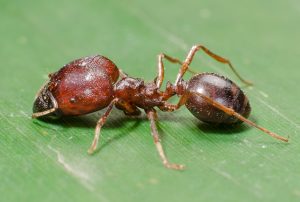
{"x":219,"y":89}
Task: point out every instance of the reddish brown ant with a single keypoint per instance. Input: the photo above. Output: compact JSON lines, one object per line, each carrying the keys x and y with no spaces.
{"x":89,"y":84}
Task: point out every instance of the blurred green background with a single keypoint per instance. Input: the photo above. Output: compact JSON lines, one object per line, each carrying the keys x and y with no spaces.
{"x":47,"y":161}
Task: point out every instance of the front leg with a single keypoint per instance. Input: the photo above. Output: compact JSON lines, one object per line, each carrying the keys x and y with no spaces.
{"x":99,"y":125}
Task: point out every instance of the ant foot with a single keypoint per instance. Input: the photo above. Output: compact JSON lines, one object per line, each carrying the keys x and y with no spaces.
{"x":91,"y":150}
{"x":174,"y":166}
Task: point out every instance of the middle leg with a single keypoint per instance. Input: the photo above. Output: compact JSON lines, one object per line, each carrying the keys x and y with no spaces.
{"x":127,"y":108}
{"x":151,"y":114}
{"x":161,"y":69}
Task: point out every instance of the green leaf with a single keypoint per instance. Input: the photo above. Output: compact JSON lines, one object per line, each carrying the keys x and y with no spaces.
{"x":48,"y":161}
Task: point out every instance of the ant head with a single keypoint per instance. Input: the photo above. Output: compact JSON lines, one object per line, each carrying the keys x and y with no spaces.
{"x":45,"y":102}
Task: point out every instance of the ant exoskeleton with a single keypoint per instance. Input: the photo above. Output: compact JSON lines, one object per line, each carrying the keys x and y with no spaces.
{"x":89,"y":84}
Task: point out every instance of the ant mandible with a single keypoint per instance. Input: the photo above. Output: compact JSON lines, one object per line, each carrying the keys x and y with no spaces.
{"x":90,"y":84}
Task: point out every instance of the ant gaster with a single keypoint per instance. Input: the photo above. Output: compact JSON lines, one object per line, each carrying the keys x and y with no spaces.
{"x":89,"y":84}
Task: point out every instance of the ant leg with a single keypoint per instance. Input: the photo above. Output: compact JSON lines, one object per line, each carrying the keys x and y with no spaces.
{"x":161,"y":69}
{"x":172,"y":107}
{"x":160,"y":77}
{"x":151,"y":114}
{"x":99,"y":125}
{"x":231,"y":112}
{"x":190,"y":57}
{"x":127,"y":108}
{"x":43,"y":86}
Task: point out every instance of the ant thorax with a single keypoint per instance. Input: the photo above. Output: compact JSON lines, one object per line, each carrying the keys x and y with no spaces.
{"x":136,"y":92}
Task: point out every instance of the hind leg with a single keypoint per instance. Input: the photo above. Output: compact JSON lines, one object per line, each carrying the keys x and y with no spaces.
{"x":218,"y":58}
{"x":161,"y":69}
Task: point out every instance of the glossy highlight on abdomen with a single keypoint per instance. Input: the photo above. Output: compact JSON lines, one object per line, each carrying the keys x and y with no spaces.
{"x":220,"y":89}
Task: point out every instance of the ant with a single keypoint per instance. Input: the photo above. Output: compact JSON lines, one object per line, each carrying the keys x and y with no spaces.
{"x":90,"y":84}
